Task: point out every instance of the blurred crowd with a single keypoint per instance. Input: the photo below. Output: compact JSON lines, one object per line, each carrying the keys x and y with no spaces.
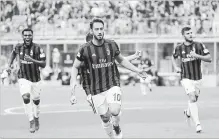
{"x":71,"y":17}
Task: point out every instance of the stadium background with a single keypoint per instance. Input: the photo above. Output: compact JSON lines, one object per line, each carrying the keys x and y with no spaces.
{"x":152,"y":26}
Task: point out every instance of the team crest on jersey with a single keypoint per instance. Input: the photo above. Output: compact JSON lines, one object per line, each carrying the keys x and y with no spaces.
{"x":108,"y":51}
{"x":31,"y":53}
{"x":41,"y":50}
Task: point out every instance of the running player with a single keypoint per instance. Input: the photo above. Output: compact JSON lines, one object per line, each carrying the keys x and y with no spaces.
{"x":190,"y":54}
{"x":146,"y":64}
{"x":100,"y":55}
{"x":30,"y":58}
{"x":84,"y":72}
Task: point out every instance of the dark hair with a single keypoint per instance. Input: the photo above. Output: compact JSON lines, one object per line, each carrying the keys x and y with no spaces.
{"x":95,"y":20}
{"x":185,"y":29}
{"x":89,"y":37}
{"x":27,"y":29}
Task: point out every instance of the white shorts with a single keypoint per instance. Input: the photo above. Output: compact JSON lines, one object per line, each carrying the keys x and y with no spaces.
{"x":147,"y":80}
{"x":191,"y":86}
{"x":101,"y":101}
{"x":32,"y":88}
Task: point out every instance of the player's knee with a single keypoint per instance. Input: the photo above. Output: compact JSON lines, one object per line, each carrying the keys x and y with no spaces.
{"x":36,"y":102}
{"x":26,"y":98}
{"x":115,"y":112}
{"x":105,"y":118}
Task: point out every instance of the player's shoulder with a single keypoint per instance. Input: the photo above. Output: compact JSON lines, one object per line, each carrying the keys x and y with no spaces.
{"x":85,"y":45}
{"x":110,"y":41}
{"x":199,"y":44}
{"x":179,"y":45}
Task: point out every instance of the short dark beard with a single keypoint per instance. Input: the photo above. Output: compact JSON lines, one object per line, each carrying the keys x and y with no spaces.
{"x":98,"y":38}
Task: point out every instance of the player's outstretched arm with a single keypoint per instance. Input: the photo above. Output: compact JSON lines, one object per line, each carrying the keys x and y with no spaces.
{"x":124,"y":62}
{"x":134,"y":56}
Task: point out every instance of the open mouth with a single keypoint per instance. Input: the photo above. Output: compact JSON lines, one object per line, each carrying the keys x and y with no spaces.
{"x":27,"y":41}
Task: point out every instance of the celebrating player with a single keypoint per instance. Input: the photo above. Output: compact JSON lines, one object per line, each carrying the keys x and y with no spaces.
{"x":190,"y":54}
{"x":99,"y":55}
{"x":84,"y":72}
{"x":30,"y":57}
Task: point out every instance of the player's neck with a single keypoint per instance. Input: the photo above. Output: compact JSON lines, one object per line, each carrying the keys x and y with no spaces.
{"x":97,"y":42}
{"x":187,"y":43}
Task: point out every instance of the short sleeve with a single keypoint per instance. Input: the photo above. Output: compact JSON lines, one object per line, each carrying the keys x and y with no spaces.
{"x":204,"y":50}
{"x":117,"y":51}
{"x":176,"y":52}
{"x":42,"y":54}
{"x":80,"y":54}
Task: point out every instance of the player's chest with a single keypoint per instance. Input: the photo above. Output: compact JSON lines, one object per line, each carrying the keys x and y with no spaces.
{"x":26,"y":51}
{"x":100,"y":55}
{"x":186,"y":50}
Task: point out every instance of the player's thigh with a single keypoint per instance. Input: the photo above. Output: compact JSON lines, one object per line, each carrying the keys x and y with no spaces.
{"x":188,"y":85}
{"x":100,"y":103}
{"x":114,"y":100}
{"x":190,"y":89}
{"x":24,"y":86}
{"x":197,"y":85}
{"x":36,"y":89}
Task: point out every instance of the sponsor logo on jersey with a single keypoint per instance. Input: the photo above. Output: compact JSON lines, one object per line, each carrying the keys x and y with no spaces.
{"x":26,"y":62}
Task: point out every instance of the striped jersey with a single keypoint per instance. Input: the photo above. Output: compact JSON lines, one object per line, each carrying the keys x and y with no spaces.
{"x":100,"y":62}
{"x":29,"y":70}
{"x":190,"y":67}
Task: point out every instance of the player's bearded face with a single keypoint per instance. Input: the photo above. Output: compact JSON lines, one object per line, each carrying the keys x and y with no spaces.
{"x":27,"y":37}
{"x":98,"y":31}
{"x":188,"y":35}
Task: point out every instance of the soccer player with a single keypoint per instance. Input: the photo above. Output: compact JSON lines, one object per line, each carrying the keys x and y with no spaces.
{"x":190,"y":54}
{"x":146,"y":64}
{"x":99,"y":55}
{"x":84,"y":72}
{"x":30,"y":57}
